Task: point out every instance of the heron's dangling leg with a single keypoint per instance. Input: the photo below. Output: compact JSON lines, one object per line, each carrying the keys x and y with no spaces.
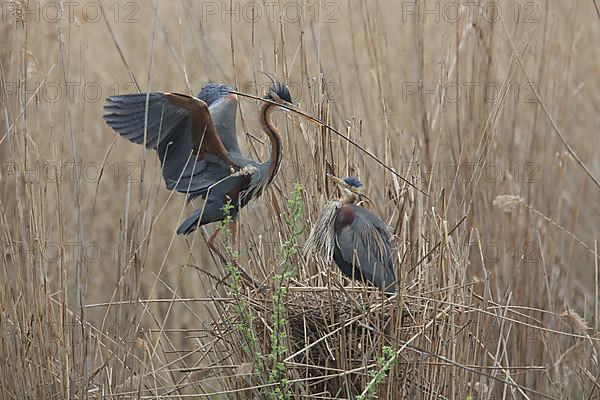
{"x":233,"y":240}
{"x":235,"y":247}
{"x":212,"y":247}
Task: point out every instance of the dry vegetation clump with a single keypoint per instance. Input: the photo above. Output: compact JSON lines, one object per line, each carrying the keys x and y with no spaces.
{"x":328,"y":339}
{"x":491,"y":119}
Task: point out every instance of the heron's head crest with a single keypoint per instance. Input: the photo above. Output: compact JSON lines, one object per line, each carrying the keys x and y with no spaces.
{"x":279,"y":91}
{"x":353,"y":181}
{"x":352,"y":188}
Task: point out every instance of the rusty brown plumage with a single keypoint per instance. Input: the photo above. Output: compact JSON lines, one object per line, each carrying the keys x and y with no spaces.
{"x":206,"y":142}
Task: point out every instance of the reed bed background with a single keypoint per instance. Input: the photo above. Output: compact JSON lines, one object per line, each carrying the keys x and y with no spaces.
{"x":490,"y":109}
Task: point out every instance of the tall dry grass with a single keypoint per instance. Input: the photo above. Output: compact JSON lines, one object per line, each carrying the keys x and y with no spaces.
{"x":497,"y":264}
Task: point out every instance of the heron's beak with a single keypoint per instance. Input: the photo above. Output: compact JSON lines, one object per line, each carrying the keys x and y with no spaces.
{"x":362,"y":195}
{"x":288,"y":107}
{"x":343,"y":185}
{"x":336,"y":179}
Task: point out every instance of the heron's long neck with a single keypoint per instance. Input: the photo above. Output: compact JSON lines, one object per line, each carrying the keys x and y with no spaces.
{"x":271,"y":130}
{"x":349,"y":198}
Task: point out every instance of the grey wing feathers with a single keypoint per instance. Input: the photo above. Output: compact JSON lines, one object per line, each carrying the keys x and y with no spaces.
{"x":366,"y":243}
{"x":223,"y":110}
{"x":126,"y":114}
{"x":223,"y":113}
{"x":168,"y":131}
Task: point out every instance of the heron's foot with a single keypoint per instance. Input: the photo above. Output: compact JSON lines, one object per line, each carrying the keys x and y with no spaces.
{"x":245,"y":275}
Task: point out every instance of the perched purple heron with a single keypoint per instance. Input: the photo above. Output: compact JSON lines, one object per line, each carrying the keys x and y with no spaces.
{"x":196,"y":141}
{"x":354,"y":238}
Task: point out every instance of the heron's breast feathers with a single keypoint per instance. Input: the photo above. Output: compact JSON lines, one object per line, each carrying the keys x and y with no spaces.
{"x":321,"y":239}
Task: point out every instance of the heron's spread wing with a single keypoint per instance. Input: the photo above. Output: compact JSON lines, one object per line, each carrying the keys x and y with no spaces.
{"x":205,"y":140}
{"x":180,"y":129}
{"x":126,"y":114}
{"x":223,"y":110}
{"x":366,"y":244}
{"x":223,"y":113}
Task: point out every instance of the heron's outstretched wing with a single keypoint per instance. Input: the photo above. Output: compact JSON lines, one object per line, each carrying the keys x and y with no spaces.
{"x":365,"y":244}
{"x":223,"y":110}
{"x":180,"y":129}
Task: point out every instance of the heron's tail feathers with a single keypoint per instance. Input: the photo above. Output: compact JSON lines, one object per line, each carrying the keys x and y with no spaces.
{"x":211,"y":211}
{"x":190,"y":224}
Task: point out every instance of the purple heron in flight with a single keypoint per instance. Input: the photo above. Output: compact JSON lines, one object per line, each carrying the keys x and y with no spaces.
{"x":196,"y":141}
